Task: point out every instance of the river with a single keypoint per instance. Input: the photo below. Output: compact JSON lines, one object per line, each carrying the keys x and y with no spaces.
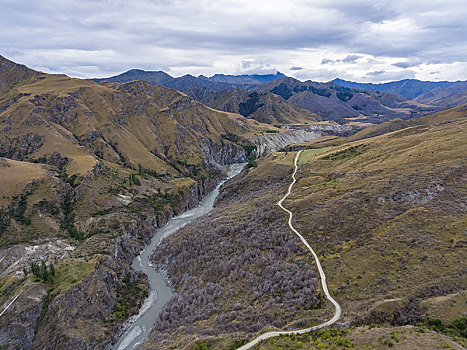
{"x":159,"y":291}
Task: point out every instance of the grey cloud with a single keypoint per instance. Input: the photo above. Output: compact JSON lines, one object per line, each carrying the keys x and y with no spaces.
{"x":326,"y":61}
{"x":376,"y":73}
{"x":406,"y":64}
{"x":319,"y":74}
{"x":350,"y":59}
{"x":347,"y":59}
{"x":382,"y":75}
{"x":252,"y":66}
{"x":115,"y":35}
{"x":295,"y":68}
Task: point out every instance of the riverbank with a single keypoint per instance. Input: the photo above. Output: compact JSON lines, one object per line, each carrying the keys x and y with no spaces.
{"x":160,"y":292}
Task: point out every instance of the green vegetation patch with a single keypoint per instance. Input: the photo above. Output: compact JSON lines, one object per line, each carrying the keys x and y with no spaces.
{"x":130,"y":294}
{"x":347,"y":153}
{"x":322,"y":339}
{"x":69,"y":217}
{"x":230,"y":137}
{"x":310,"y":154}
{"x":41,"y":271}
{"x":282,"y":90}
{"x":201,"y":345}
{"x":70,"y":273}
{"x":456,"y":329}
{"x":142,"y":171}
{"x":8,"y":285}
{"x":16,"y":211}
{"x":251,"y":105}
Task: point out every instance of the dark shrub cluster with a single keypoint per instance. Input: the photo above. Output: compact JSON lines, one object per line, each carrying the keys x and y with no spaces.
{"x":409,"y":313}
{"x":46,"y":274}
{"x":236,"y":272}
{"x":251,"y":105}
{"x":456,"y":328}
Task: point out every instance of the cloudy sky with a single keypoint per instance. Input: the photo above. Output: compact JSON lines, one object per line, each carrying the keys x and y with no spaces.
{"x":360,"y":40}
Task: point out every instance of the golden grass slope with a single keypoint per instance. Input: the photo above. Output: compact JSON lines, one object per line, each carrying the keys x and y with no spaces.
{"x":15,"y":175}
{"x":133,"y":123}
{"x":387,"y":215}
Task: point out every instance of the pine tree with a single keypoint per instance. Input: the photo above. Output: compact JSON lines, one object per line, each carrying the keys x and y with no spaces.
{"x":52,"y":269}
{"x":43,"y":271}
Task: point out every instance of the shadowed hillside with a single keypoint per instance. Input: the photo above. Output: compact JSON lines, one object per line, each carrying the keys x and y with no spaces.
{"x":264,"y":107}
{"x":428,"y":92}
{"x":342,"y":104}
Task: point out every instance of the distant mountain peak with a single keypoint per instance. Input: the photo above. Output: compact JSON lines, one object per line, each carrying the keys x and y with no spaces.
{"x":407,"y":88}
{"x":152,"y":77}
{"x":338,"y":80}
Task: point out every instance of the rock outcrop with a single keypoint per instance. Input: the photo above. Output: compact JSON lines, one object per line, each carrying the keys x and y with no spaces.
{"x":83,"y":316}
{"x":273,"y":142}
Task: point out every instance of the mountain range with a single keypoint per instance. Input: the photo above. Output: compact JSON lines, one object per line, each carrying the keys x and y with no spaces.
{"x":430,"y":92}
{"x":86,"y":167}
{"x":90,"y":169}
{"x":338,"y":100}
{"x":160,"y":77}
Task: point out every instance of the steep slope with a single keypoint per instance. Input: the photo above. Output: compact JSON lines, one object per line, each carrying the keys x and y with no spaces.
{"x":265,"y":107}
{"x":444,"y":116}
{"x":88,"y":171}
{"x":134,"y":123}
{"x":199,"y":88}
{"x":334,"y":102}
{"x":411,"y":89}
{"x":444,"y":97}
{"x":241,"y":272}
{"x":386,"y":214}
{"x":228,"y":93}
{"x":196,"y":87}
{"x":327,"y":108}
{"x":14,"y":75}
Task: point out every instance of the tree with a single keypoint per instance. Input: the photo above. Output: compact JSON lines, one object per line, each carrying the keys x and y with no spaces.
{"x":52,"y":269}
{"x":43,"y":273}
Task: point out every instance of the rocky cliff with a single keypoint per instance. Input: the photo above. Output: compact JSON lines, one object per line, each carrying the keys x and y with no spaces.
{"x":83,"y":314}
{"x":273,"y":142}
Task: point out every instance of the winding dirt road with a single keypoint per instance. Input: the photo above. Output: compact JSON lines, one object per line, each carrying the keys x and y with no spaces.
{"x":337,"y":314}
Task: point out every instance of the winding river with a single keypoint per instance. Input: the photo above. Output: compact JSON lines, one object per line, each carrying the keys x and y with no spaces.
{"x":159,"y":291}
